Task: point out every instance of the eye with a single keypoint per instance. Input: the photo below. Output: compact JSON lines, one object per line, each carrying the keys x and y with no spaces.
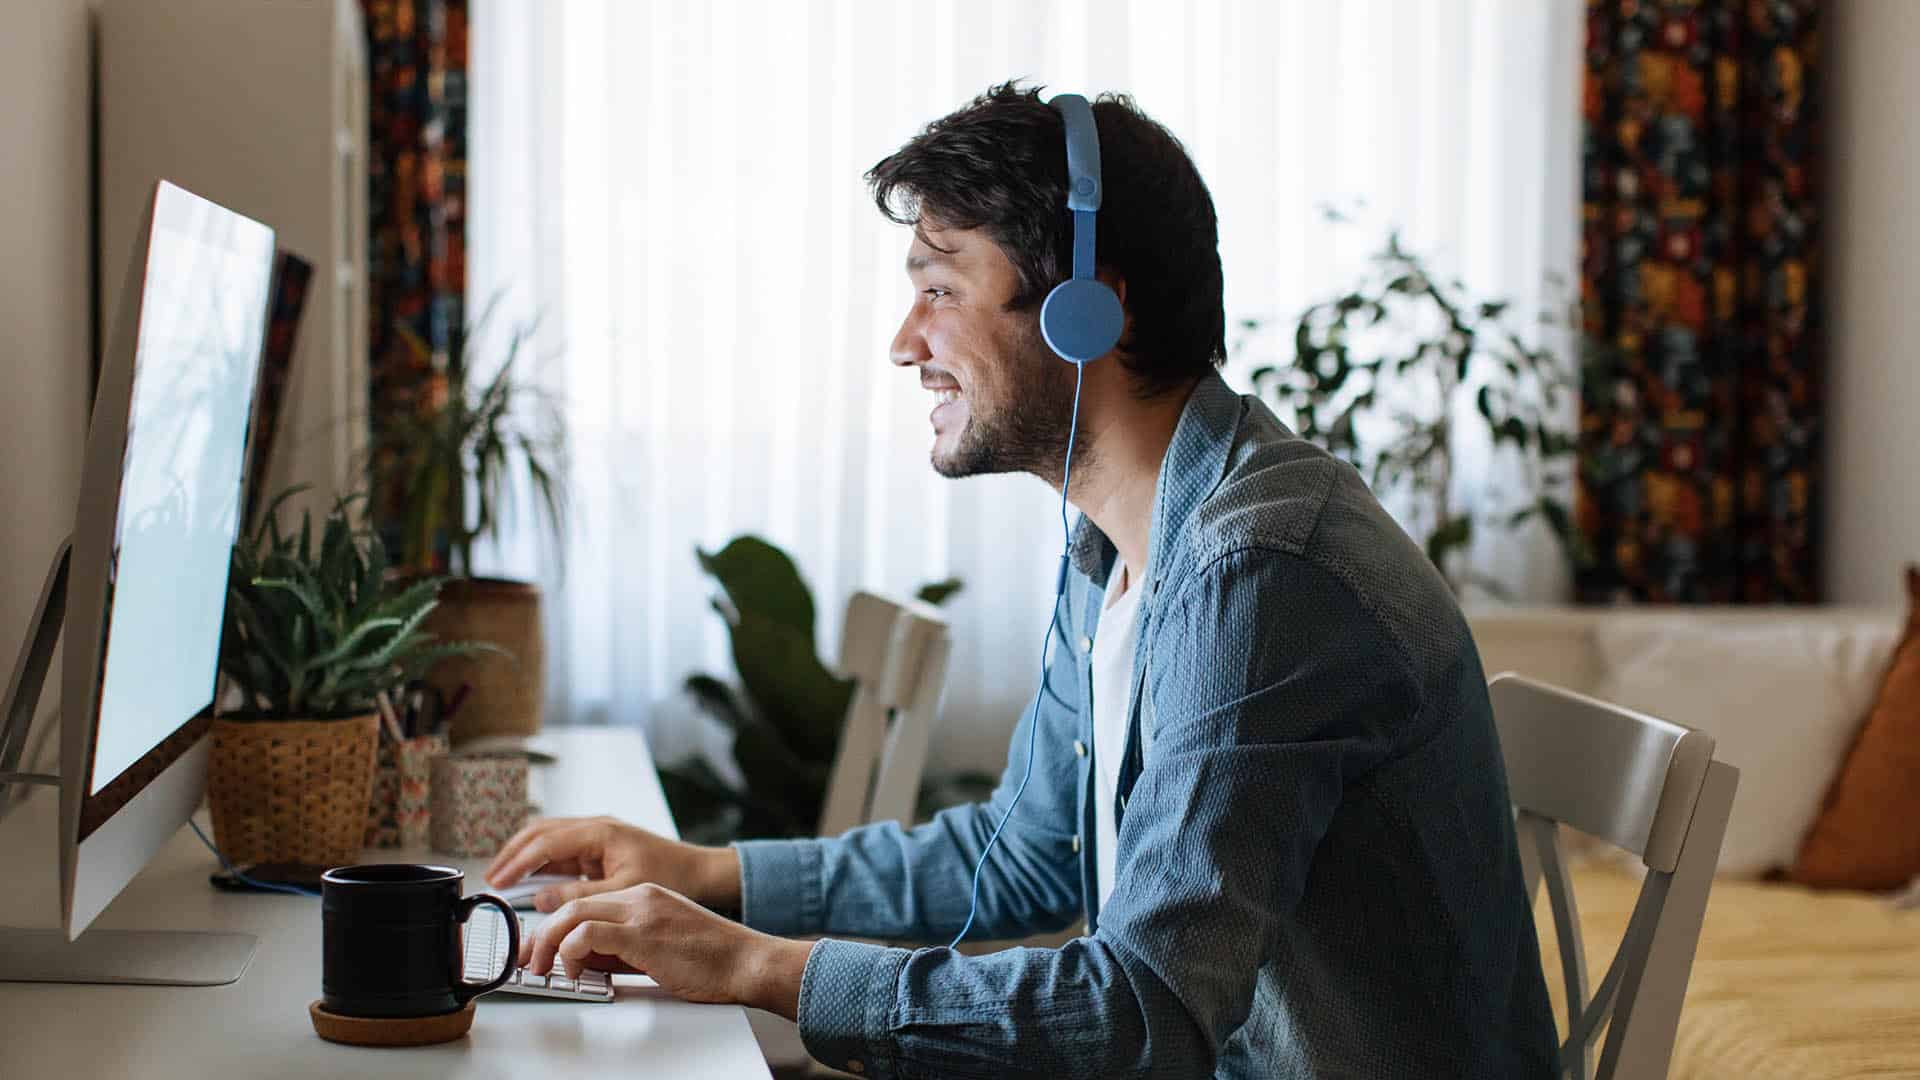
{"x":934,"y":292}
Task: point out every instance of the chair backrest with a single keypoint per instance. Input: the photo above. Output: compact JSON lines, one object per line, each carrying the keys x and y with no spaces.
{"x":896,"y":653}
{"x":1645,"y":785}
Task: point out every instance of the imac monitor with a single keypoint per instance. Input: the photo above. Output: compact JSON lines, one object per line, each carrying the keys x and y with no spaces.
{"x":157,"y":515}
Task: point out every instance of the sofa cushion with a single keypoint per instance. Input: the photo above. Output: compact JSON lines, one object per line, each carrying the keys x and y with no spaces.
{"x":1867,"y":834}
{"x":1782,"y":701}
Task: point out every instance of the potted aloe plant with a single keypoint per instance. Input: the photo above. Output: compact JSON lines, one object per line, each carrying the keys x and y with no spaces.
{"x":316,"y":633}
{"x":448,"y":468}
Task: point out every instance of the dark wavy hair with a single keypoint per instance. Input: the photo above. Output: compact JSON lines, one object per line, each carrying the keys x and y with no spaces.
{"x":999,"y":164}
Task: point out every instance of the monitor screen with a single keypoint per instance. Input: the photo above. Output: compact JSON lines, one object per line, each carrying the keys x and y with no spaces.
{"x":203,"y":311}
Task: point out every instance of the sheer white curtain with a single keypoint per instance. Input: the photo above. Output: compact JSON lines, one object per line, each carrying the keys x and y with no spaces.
{"x":675,"y":189}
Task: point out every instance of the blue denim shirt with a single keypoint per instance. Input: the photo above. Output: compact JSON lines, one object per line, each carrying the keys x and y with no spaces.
{"x":1316,"y":876}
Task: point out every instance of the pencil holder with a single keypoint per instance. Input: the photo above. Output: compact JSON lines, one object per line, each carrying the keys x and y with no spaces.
{"x":400,"y":813}
{"x":478,"y":802}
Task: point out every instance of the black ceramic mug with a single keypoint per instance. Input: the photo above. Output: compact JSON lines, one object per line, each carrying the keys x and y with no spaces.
{"x":390,"y":940}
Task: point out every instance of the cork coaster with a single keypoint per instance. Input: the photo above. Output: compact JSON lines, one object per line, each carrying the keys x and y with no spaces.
{"x":401,"y":1031}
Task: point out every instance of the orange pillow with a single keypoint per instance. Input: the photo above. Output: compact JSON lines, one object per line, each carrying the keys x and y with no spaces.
{"x":1867,"y":835}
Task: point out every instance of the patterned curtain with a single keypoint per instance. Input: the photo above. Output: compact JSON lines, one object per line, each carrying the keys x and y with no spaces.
{"x":1700,"y":406}
{"x":417,"y":179}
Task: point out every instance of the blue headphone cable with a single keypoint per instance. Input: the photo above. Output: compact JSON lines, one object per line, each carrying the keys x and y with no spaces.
{"x":1046,"y":647}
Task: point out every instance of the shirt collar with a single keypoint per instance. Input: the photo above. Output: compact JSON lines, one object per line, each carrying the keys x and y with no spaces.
{"x":1196,"y":460}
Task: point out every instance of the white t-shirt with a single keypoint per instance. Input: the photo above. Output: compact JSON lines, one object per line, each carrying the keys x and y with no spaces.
{"x":1112,"y":695}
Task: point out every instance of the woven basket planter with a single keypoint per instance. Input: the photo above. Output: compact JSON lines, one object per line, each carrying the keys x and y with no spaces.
{"x":292,"y":790}
{"x":504,"y":695}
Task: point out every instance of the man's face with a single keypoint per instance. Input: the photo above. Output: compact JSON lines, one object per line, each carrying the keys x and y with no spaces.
{"x":1003,"y":400}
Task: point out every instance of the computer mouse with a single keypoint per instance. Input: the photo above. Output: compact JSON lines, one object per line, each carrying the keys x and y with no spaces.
{"x":520,"y":895}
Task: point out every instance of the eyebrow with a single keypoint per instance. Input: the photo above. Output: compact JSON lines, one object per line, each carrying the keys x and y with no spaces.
{"x":921,"y":262}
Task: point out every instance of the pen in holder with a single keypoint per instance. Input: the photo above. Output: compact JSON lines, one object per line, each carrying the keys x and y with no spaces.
{"x":400,"y":815}
{"x":478,"y":802}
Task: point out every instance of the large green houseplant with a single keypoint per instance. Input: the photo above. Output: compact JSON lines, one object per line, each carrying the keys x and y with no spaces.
{"x":786,"y":714}
{"x":452,"y":472}
{"x":316,"y":633}
{"x":1386,"y":374}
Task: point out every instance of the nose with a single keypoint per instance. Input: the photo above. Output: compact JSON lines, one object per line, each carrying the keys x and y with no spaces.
{"x":909,"y":348}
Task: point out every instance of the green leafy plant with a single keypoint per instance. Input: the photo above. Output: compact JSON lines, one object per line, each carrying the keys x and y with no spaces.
{"x":453,"y":456}
{"x":1382,"y":376}
{"x":315,"y":628}
{"x":787,"y":714}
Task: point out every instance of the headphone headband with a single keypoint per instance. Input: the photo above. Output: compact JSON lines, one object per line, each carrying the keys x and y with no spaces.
{"x":1081,"y":318}
{"x":1083,"y":151}
{"x":1083,"y":177}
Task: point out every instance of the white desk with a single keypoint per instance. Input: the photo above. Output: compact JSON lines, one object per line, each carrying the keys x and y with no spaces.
{"x":258,"y":1026}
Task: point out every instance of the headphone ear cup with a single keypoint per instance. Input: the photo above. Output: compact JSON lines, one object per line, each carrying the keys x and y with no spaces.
{"x":1081,"y":320}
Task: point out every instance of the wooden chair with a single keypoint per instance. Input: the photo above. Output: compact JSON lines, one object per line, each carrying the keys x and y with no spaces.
{"x":1645,"y":785}
{"x":897,"y":655}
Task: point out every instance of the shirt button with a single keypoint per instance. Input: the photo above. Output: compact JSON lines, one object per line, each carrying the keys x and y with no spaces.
{"x":1076,"y":843}
{"x":1086,"y":643}
{"x":856,"y":1066}
{"x":1079,"y":748}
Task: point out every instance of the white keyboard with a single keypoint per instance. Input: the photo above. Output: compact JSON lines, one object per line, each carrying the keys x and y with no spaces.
{"x":486,"y":953}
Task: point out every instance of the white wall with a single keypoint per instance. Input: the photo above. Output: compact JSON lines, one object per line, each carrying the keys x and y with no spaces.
{"x":1872,"y":490}
{"x":241,"y":102}
{"x":43,"y":294}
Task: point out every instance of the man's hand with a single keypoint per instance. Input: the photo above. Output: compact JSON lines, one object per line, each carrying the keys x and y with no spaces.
{"x":613,"y":855}
{"x":690,"y":951}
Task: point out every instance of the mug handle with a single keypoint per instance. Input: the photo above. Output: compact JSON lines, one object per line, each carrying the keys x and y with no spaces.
{"x":464,"y":991}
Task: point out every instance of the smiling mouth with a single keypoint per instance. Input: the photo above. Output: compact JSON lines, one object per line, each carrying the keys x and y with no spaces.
{"x":948,"y":402}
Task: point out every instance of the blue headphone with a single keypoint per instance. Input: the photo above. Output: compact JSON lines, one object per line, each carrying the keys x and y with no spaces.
{"x":1081,"y":320}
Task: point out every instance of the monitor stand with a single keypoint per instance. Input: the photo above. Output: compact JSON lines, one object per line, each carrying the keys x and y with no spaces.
{"x":40,"y":951}
{"x":141,"y":957}
{"x":30,"y":838}
{"x":29,"y":674}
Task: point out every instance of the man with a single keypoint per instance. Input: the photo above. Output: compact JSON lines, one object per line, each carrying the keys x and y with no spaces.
{"x":1265,"y":771}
